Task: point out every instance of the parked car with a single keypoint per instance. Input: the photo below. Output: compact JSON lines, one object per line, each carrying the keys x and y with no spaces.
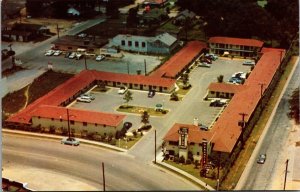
{"x":57,"y":52}
{"x":206,"y":60}
{"x":78,"y":56}
{"x":127,"y":125}
{"x":240,"y":75}
{"x":144,"y":128}
{"x":88,"y":95}
{"x":72,"y":55}
{"x":204,"y":64}
{"x":100,"y":57}
{"x":262,"y":158}
{"x":211,"y":56}
{"x":68,"y":54}
{"x":203,"y":127}
{"x":84,"y":99}
{"x":235,"y":80}
{"x":49,"y":52}
{"x":159,"y":107}
{"x":151,"y":93}
{"x":249,"y":62}
{"x":218,"y":102}
{"x":70,"y":141}
{"x":82,"y":35}
{"x":122,"y":90}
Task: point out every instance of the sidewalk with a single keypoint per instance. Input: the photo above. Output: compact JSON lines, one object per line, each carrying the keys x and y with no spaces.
{"x":57,"y":137}
{"x":159,"y":160}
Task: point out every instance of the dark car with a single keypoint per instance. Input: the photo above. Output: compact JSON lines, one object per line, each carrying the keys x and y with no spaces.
{"x":217,"y":103}
{"x":151,"y":93}
{"x":203,"y":127}
{"x":127,"y":125}
{"x":144,"y":128}
{"x":262,"y":158}
{"x":68,"y":54}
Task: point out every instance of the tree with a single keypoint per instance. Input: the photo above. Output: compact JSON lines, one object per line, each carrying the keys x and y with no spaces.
{"x":185,"y":81}
{"x":174,"y":96}
{"x":128,"y":97}
{"x":220,"y":78}
{"x":132,"y":19}
{"x":294,"y":106}
{"x":145,"y":118}
{"x":112,"y":9}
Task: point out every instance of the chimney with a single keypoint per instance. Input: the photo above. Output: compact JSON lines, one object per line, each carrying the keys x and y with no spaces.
{"x":196,"y":121}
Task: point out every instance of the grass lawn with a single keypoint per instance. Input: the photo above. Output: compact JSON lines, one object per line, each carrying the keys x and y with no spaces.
{"x":122,"y":143}
{"x":191,"y":170}
{"x":244,"y":156}
{"x":140,"y":110}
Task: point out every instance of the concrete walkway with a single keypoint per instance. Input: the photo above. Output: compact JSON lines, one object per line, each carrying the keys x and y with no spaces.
{"x":159,"y":160}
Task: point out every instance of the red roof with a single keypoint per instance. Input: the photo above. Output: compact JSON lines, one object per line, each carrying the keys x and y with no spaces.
{"x":236,"y":41}
{"x":195,"y":134}
{"x":180,"y":60}
{"x":224,"y":87}
{"x":77,"y":83}
{"x":245,"y":101}
{"x":79,"y":115}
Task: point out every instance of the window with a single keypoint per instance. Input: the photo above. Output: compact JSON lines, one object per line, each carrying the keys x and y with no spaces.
{"x":39,"y":117}
{"x":135,"y":85}
{"x":60,"y":120}
{"x":129,"y":43}
{"x":84,"y":123}
{"x":72,"y":122}
{"x":143,"y":44}
{"x":154,"y":87}
{"x":123,"y":42}
{"x":69,"y":47}
{"x":198,"y":153}
{"x":165,"y":88}
{"x":136,"y":44}
{"x":96,"y":124}
{"x":212,"y":92}
{"x":118,"y":83}
{"x":52,"y":119}
{"x":104,"y":125}
{"x":192,"y":143}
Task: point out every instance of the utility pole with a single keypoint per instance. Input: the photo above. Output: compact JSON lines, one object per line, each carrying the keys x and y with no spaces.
{"x":155,"y":146}
{"x":218,"y":175}
{"x":242,"y":124}
{"x":57,"y":29}
{"x":261,"y":96}
{"x":127,"y":67}
{"x":103,"y":176}
{"x":69,"y":132}
{"x":145,"y":66}
{"x":286,"y":171}
{"x":85,"y":62}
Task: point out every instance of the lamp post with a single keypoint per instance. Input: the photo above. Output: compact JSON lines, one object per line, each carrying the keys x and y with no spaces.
{"x":155,"y":146}
{"x":85,"y":62}
{"x":103,"y":176}
{"x":285,"y":175}
{"x":69,"y":132}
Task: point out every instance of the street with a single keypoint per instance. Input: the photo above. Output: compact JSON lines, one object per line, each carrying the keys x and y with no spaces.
{"x":273,"y":145}
{"x":81,"y":164}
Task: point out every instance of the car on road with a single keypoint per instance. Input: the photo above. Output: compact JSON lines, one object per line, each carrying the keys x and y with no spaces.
{"x":249,"y":62}
{"x":262,"y":158}
{"x":84,"y":99}
{"x":127,"y":125}
{"x":49,"y":52}
{"x":72,"y":55}
{"x":57,"y":52}
{"x":100,"y":57}
{"x":218,"y":102}
{"x":122,"y":90}
{"x":151,"y":93}
{"x":70,"y":141}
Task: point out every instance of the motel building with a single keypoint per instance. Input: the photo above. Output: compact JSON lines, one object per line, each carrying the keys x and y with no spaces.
{"x":104,"y":124}
{"x":187,"y":141}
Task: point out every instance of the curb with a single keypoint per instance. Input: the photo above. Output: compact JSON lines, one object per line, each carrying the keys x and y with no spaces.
{"x":54,"y":137}
{"x":253,"y":156}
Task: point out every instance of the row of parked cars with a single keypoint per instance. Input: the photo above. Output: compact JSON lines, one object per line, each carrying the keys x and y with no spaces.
{"x":206,"y":61}
{"x":71,"y":55}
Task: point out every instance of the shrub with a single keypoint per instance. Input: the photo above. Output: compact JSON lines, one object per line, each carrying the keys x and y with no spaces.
{"x":188,"y":161}
{"x":164,"y":112}
{"x":176,"y":159}
{"x":182,"y":159}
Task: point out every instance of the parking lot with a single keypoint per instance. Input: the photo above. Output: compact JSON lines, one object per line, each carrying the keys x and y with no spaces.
{"x":129,"y":62}
{"x":192,"y":106}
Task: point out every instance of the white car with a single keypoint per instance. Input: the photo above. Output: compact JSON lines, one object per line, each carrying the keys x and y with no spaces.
{"x":204,"y":64}
{"x":88,"y":96}
{"x":57,"y":52}
{"x":100,"y":57}
{"x":78,"y":56}
{"x":49,"y":52}
{"x":84,"y":99}
{"x":70,"y":141}
{"x":249,"y":62}
{"x":122,"y":90}
{"x":72,"y":55}
{"x":241,"y":75}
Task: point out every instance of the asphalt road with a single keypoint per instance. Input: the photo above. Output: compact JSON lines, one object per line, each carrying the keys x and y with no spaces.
{"x":83,"y":164}
{"x":273,"y":144}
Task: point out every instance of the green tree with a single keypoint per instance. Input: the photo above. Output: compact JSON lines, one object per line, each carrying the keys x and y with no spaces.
{"x":145,"y":118}
{"x":220,"y":78}
{"x":132,"y":19}
{"x":294,"y":106}
{"x":185,"y":80}
{"x":174,"y":96}
{"x":128,"y":97}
